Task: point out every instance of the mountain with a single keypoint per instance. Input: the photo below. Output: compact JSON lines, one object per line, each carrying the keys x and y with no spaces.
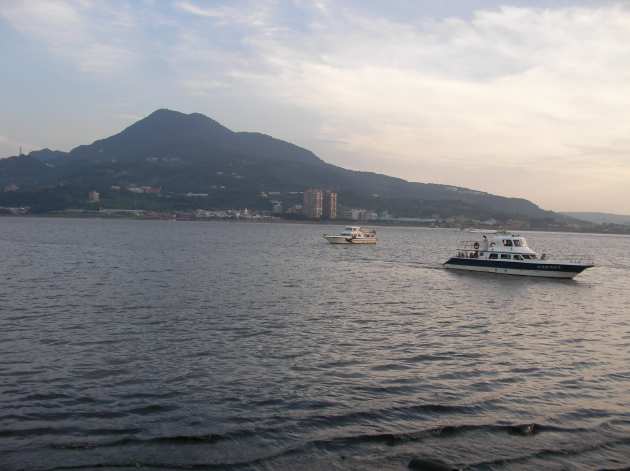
{"x":599,"y":218}
{"x":193,"y":153}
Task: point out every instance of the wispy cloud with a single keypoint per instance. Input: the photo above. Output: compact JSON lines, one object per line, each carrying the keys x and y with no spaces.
{"x":252,"y":14}
{"x":508,"y":88}
{"x":199,"y":11}
{"x":90,"y":35}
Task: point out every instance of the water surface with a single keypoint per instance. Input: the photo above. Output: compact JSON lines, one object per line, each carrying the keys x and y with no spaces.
{"x":183,"y":345}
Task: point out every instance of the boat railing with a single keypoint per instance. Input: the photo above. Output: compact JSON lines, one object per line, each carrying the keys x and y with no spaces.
{"x":469,"y":249}
{"x":470,"y":245}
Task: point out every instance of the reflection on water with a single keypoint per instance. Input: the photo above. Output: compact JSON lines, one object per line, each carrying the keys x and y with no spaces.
{"x":259,"y":346}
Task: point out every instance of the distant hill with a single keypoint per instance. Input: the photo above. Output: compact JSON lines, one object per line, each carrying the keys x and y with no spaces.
{"x":193,"y":153}
{"x":600,"y":218}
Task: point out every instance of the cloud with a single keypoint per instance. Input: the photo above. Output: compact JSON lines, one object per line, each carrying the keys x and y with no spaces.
{"x":515,"y":94}
{"x":196,"y":10}
{"x":89,"y":35}
{"x":202,"y":87}
{"x":252,"y":14}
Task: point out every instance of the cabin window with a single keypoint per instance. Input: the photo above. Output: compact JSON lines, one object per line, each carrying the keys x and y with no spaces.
{"x":507,"y":243}
{"x":526,"y":257}
{"x":517,"y":242}
{"x":505,"y":256}
{"x":494,"y":256}
{"x":518,"y":257}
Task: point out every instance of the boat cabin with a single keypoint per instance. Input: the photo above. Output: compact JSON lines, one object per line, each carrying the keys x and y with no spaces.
{"x":497,"y":246}
{"x":358,"y":231}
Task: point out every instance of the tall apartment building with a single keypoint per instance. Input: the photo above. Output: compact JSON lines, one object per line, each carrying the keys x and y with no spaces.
{"x":313,"y":203}
{"x":330,"y":205}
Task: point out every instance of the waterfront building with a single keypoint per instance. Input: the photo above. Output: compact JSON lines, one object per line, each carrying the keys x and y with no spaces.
{"x":363,"y":215}
{"x":313,"y":203}
{"x":330,"y":205}
{"x":11,"y":187}
{"x":384,"y":216}
{"x":156,"y":190}
{"x":276,"y":207}
{"x":94,"y":197}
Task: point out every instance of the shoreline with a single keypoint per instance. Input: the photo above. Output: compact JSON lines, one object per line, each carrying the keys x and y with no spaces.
{"x":337,"y":222}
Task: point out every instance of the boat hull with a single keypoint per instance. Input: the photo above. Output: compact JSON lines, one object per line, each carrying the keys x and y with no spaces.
{"x":537,"y":269}
{"x":349,"y":240}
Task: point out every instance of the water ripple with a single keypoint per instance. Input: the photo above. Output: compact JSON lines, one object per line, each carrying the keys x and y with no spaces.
{"x":161,"y":345}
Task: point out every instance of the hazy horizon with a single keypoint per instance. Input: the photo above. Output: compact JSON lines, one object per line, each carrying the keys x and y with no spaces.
{"x":518,"y":98}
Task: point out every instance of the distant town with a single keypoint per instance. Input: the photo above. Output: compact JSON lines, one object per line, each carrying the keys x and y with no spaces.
{"x":310,"y":205}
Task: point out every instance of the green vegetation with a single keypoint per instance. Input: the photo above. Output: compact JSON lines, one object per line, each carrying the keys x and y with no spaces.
{"x":192,"y":154}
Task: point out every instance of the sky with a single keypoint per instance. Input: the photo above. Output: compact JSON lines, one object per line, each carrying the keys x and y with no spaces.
{"x":519,"y":98}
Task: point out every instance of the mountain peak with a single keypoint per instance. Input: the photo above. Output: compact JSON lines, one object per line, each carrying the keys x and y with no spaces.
{"x":191,"y":137}
{"x":165,"y":112}
{"x":166,"y":120}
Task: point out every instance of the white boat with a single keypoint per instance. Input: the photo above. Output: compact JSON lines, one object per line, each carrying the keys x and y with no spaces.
{"x":503,"y":252}
{"x":353,"y":235}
